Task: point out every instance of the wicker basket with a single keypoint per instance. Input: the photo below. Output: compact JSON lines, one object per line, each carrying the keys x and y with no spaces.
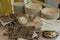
{"x":33,"y":8}
{"x":49,"y":13}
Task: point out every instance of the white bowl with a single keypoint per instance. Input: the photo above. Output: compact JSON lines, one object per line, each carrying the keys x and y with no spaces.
{"x":49,"y":13}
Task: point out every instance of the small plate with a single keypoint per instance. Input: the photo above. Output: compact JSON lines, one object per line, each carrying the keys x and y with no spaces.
{"x":49,"y":34}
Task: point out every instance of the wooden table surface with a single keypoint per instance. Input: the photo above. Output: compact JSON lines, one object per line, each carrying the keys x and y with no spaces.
{"x":2,"y":31}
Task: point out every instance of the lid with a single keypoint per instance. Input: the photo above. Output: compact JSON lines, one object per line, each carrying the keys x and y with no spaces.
{"x":33,"y":6}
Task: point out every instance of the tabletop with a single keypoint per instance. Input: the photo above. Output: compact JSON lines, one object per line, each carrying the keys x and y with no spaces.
{"x":50,"y":25}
